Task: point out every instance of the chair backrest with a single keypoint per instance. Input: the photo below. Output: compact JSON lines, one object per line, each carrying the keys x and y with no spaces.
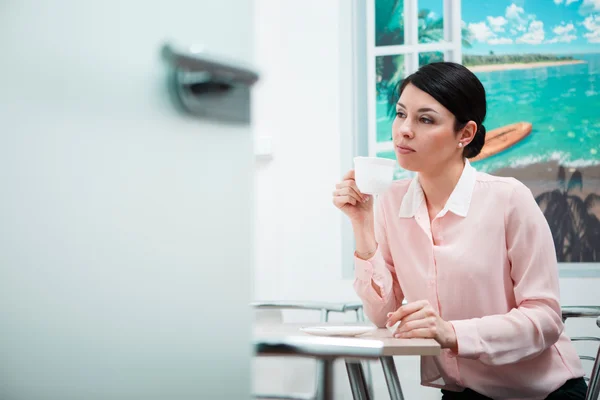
{"x":593,"y":378}
{"x":594,"y":382}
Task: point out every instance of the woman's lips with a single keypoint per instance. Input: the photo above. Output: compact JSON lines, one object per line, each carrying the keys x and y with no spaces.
{"x":405,"y":149}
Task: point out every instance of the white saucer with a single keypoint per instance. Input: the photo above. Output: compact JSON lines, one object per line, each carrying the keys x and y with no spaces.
{"x":341,"y":330}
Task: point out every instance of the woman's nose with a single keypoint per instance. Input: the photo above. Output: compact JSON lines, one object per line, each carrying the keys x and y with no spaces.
{"x":404,"y":130}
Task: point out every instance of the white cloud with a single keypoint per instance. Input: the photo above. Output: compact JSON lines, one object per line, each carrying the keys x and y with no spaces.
{"x":497,"y":23}
{"x":517,"y":22}
{"x":592,"y":24}
{"x":589,"y":6}
{"x":558,"y":1}
{"x":500,"y":41}
{"x":563,"y":29}
{"x":517,"y":18}
{"x":514,"y":12}
{"x":481,"y":31}
{"x":431,"y":15}
{"x":534,"y":35}
{"x":562,"y":39}
{"x":564,"y":33}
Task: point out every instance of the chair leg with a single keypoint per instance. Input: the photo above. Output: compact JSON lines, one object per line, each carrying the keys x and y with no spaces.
{"x":391,"y":378}
{"x":319,"y":367}
{"x":325,"y":380}
{"x":356,"y":377}
{"x":594,"y":383}
{"x":360,"y":317}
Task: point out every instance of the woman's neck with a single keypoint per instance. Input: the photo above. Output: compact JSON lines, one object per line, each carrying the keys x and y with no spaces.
{"x":438,"y":185}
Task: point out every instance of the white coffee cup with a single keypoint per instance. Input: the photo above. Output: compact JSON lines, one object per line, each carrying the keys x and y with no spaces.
{"x":373,"y":175}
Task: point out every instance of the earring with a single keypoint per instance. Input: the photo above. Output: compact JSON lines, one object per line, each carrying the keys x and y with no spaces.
{"x":460,"y":145}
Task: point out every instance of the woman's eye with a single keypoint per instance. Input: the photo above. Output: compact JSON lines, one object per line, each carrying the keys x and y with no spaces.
{"x":426,"y":120}
{"x":400,"y":114}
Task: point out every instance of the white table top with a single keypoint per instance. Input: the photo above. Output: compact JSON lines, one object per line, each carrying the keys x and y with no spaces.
{"x":380,"y":338}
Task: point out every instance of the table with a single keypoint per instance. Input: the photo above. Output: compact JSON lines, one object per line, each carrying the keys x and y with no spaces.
{"x":287,"y":339}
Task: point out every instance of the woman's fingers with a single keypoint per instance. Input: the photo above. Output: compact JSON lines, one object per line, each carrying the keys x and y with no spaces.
{"x":421,"y":314}
{"x":424,"y":333}
{"x":349,"y":175}
{"x":348,"y":191}
{"x":352,"y":185}
{"x":405,"y":311}
{"x":428,"y":323}
{"x":341,"y":201}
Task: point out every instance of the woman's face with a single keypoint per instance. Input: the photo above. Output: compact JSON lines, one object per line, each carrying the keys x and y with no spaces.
{"x":423,"y":132}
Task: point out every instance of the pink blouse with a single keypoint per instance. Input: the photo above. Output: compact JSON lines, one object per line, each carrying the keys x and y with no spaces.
{"x":487,"y":264}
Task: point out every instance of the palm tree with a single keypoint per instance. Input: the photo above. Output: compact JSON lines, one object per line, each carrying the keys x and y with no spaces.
{"x":575,"y":228}
{"x":389,"y":25}
{"x":389,"y":22}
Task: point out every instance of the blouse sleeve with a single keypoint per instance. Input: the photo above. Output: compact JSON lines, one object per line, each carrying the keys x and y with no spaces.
{"x":536,"y":323}
{"x":379,"y":269}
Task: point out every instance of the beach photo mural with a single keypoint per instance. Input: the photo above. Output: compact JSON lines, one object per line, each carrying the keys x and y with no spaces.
{"x":539,"y":61}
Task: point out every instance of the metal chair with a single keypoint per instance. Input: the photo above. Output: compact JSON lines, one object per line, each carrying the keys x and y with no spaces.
{"x":587,"y":312}
{"x":355,"y":372}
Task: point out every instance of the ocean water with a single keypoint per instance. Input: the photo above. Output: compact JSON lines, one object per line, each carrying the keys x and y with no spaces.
{"x":561,"y":102}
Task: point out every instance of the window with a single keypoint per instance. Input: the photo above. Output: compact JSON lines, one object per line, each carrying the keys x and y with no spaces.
{"x":401,"y":36}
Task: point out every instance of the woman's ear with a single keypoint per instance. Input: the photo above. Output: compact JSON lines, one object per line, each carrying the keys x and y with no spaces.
{"x":468,"y":133}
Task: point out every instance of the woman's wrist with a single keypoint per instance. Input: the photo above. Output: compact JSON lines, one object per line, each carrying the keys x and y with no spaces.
{"x":363,"y":225}
{"x":366,"y":255}
{"x":364,"y":235}
{"x":451,"y":341}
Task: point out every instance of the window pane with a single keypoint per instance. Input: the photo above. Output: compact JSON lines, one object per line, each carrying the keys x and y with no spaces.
{"x":389,"y":70}
{"x":430,"y":57}
{"x":389,"y":22}
{"x":431,"y":21}
{"x":387,"y":154}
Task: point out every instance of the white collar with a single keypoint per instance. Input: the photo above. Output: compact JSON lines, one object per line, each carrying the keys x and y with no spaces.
{"x":458,"y":202}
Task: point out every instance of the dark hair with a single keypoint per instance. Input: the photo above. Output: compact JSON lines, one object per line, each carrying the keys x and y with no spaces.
{"x":457,"y":89}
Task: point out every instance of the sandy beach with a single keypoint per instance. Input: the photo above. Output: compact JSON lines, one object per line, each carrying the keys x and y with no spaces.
{"x":503,"y":67}
{"x":542,"y":177}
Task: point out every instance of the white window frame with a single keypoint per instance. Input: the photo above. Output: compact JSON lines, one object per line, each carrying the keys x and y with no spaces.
{"x":451,"y":46}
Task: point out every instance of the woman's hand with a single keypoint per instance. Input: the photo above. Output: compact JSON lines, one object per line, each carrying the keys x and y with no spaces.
{"x":419,"y":320}
{"x":346,"y":196}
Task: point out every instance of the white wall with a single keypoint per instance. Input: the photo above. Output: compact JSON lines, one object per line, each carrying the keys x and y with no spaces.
{"x":298,"y":104}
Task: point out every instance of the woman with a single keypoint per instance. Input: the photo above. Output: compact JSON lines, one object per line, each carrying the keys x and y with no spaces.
{"x":471,"y":253}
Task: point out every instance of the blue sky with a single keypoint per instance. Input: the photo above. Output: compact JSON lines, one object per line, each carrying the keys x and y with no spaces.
{"x":529,"y":26}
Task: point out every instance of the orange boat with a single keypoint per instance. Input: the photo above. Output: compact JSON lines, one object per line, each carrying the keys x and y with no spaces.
{"x":500,"y":139}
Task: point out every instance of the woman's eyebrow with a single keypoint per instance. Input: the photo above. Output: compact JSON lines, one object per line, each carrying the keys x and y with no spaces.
{"x":423,"y":109}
